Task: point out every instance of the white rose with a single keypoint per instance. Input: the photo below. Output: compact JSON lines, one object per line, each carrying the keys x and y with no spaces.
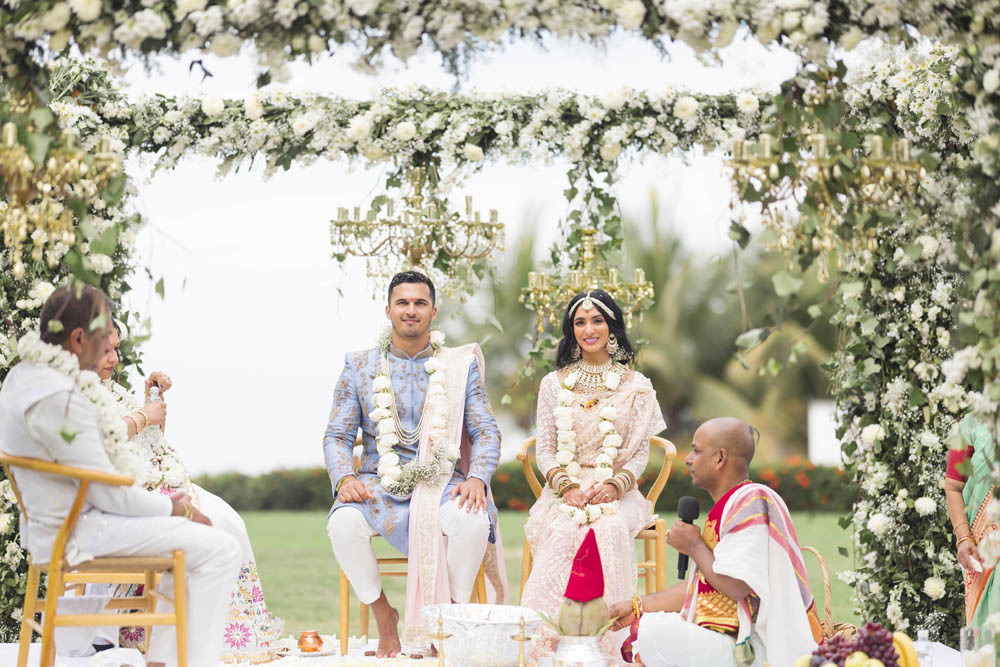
{"x":563,"y":411}
{"x":878,"y":524}
{"x":565,"y":436}
{"x":686,"y":107}
{"x":813,"y":25}
{"x":605,"y":427}
{"x":390,"y":439}
{"x":631,"y":13}
{"x":225,"y":44}
{"x":381,"y":383}
{"x":404,"y":131}
{"x":564,"y":458}
{"x":991,"y":80}
{"x":611,"y":452}
{"x":212,"y":106}
{"x":934,"y":588}
{"x":925,"y":506}
{"x":253,"y":108}
{"x":387,"y":425}
{"x":185,"y":7}
{"x":851,"y":38}
{"x":383,"y":400}
{"x":101,"y":264}
{"x":565,"y":424}
{"x":566,"y":397}
{"x":608,"y":412}
{"x":433,"y":365}
{"x":317,"y":44}
{"x":438,"y":422}
{"x":568,"y":446}
{"x":472,"y":152}
{"x":359,"y":128}
{"x":930,"y":245}
{"x":612,"y":440}
{"x":6,"y":522}
{"x":613,"y":99}
{"x":580,"y":517}
{"x":573,"y":469}
{"x":790,"y":21}
{"x":86,"y":10}
{"x":57,"y":17}
{"x":390,"y":459}
{"x":436,"y":386}
{"x":610,"y":151}
{"x":603,"y":460}
{"x":611,"y":380}
{"x":570,"y":381}
{"x":871,"y":433}
{"x":747,"y":102}
{"x":437,"y":338}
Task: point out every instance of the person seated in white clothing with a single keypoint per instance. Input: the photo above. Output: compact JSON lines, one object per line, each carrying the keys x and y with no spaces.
{"x":46,"y":412}
{"x":747,"y":600}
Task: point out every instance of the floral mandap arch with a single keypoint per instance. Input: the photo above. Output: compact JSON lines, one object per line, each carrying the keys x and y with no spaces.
{"x":916,"y":289}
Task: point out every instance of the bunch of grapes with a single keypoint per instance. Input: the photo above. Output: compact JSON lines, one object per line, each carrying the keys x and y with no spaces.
{"x":876,"y":641}
{"x":835,"y":650}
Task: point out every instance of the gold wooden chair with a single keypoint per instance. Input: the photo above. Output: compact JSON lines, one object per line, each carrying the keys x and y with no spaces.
{"x":653,"y":537}
{"x":478,"y":591}
{"x":117,"y":570}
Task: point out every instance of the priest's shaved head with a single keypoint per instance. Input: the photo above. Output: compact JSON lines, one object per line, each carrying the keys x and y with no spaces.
{"x":721,"y":451}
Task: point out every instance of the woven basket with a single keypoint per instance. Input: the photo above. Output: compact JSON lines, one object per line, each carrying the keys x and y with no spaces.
{"x":830,"y":629}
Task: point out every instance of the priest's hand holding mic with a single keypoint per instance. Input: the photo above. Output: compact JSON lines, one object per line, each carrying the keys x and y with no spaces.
{"x":683,"y":535}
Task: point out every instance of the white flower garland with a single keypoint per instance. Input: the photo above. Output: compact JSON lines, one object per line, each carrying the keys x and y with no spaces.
{"x":33,"y":350}
{"x":397,"y":479}
{"x":566,"y":447}
{"x":164,"y":469}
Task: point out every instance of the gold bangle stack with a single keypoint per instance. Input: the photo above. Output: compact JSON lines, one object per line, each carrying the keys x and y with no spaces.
{"x":145,"y":420}
{"x":561,"y":483}
{"x":623,"y":481}
{"x":637,"y":607}
{"x":963,"y":538}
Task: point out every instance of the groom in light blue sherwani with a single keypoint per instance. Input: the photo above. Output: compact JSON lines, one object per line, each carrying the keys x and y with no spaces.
{"x":363,"y":507}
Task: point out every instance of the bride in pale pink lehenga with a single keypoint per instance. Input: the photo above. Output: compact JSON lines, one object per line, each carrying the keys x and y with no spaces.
{"x":594,"y":344}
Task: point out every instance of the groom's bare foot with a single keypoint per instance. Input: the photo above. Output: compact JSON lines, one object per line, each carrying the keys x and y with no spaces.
{"x":387,"y":620}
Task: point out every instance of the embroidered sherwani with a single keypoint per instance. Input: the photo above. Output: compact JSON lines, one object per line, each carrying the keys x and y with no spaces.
{"x":389,"y":515}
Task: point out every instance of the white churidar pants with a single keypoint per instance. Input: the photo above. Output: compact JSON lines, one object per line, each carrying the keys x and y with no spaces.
{"x":667,"y":640}
{"x":466,"y":535}
{"x":212,"y":562}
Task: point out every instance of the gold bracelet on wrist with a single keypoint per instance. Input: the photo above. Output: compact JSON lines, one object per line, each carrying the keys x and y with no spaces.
{"x":964,"y":538}
{"x":955,"y":529}
{"x":565,"y":488}
{"x":145,"y":420}
{"x":637,"y":610}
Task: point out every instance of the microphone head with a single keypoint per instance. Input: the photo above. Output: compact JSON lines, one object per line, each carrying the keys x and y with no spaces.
{"x":687,"y":509}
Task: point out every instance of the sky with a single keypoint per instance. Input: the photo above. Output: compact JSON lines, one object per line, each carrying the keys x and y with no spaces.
{"x":257,"y":317}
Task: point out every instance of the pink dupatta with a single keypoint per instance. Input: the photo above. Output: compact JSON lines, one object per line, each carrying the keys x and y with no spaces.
{"x":427,"y":568}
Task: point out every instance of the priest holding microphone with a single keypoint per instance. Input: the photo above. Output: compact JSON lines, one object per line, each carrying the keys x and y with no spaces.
{"x":747,"y":600}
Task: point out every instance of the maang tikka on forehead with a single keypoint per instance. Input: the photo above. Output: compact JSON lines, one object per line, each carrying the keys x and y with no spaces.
{"x":587,"y":303}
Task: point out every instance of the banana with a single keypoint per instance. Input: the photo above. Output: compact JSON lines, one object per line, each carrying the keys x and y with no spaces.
{"x":905,"y":649}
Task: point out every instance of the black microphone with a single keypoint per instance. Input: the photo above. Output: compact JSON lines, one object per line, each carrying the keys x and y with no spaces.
{"x":687,"y":511}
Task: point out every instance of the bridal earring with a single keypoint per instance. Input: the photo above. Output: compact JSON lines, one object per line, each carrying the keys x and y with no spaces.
{"x":612,"y":346}
{"x":576,"y":353}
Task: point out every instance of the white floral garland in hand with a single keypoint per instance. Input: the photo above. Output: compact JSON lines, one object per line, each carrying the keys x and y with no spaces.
{"x":400,"y":480}
{"x":566,"y":447}
{"x":32,"y":349}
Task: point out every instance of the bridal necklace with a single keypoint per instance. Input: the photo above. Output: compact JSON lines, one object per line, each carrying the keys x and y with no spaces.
{"x":591,"y":378}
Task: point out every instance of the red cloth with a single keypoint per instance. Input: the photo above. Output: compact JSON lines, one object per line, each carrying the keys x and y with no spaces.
{"x":957,"y":457}
{"x":586,"y":576}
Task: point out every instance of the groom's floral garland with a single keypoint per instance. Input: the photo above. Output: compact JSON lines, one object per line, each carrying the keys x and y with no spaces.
{"x":33,"y":349}
{"x":566,"y":448}
{"x":400,"y":480}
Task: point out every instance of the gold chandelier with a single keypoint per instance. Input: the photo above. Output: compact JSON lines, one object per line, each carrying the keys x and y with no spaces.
{"x":421,"y":233}
{"x":549,"y":295}
{"x":36,"y":195}
{"x":882,"y":180}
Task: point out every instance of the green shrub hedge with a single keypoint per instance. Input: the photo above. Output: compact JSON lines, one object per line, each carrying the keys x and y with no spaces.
{"x":802,"y":485}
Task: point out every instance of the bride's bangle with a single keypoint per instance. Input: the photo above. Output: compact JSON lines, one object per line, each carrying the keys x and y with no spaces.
{"x":145,"y":420}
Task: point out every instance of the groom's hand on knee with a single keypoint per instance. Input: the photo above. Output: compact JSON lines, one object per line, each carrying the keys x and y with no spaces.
{"x":354,"y":490}
{"x":471,"y":494}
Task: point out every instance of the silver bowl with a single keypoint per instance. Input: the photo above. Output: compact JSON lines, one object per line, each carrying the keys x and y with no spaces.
{"x":481,"y":633}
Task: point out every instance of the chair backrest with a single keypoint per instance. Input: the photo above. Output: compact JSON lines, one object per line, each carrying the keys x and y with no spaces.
{"x":83,"y":475}
{"x":526,"y":456}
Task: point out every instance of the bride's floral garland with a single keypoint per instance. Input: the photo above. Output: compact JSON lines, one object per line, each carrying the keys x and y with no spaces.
{"x":566,"y":448}
{"x":164,"y":469}
{"x":33,"y":349}
{"x":400,"y":480}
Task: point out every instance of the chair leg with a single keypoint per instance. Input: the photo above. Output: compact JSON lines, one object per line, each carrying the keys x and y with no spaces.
{"x":30,"y":598}
{"x":180,"y":607}
{"x":345,"y":612}
{"x":53,"y":586}
{"x":363,"y":620}
{"x":525,"y":567}
{"x":479,"y":591}
{"x":661,"y":554}
{"x":147,"y":592}
{"x":649,"y":574}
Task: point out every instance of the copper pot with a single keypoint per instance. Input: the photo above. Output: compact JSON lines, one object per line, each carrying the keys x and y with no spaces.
{"x":310,"y":641}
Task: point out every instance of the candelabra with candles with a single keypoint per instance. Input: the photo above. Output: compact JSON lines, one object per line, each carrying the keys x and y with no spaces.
{"x":36,"y":194}
{"x":419,"y":233}
{"x":881,"y":181}
{"x":549,"y":295}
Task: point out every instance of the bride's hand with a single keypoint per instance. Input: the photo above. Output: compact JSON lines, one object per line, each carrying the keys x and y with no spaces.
{"x":575,"y":497}
{"x":603,"y":493}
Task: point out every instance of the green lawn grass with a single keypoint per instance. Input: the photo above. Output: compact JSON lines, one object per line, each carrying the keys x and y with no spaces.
{"x":300,"y":576}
